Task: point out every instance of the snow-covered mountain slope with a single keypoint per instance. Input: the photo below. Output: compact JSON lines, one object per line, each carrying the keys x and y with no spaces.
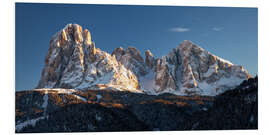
{"x":189,"y":69}
{"x":74,"y":62}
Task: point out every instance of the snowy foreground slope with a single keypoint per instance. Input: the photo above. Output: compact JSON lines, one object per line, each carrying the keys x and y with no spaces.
{"x":69,"y":110}
{"x":73,"y":61}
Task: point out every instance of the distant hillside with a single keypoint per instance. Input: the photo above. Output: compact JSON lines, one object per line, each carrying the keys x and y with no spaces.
{"x":67,"y":110}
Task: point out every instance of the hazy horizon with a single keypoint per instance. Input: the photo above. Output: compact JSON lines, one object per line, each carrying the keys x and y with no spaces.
{"x":230,"y":33}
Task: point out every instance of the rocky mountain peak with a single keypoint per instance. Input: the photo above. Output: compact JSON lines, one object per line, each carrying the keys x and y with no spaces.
{"x":118,"y":53}
{"x":150,"y":60}
{"x":188,"y":48}
{"x":74,"y":33}
{"x":87,"y":37}
{"x":186,"y":43}
{"x":135,"y":53}
{"x":131,"y":59}
{"x":73,"y":61}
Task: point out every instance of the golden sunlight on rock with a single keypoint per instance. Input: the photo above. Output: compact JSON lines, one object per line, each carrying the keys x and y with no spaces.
{"x":87,"y":37}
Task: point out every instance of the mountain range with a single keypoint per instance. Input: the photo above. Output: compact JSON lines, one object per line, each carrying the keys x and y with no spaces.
{"x":74,"y":62}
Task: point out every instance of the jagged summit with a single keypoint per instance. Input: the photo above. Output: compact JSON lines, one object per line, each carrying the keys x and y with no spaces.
{"x":187,"y":43}
{"x":192,"y":48}
{"x":131,"y":59}
{"x":150,"y":60}
{"x":74,"y":32}
{"x":73,"y":61}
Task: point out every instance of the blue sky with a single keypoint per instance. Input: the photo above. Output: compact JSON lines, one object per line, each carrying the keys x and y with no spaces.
{"x":231,"y":33}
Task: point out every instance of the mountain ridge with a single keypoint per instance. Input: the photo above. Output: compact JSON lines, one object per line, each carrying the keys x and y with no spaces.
{"x":73,"y":61}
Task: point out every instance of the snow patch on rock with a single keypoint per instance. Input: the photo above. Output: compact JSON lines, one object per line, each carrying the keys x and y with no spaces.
{"x":80,"y":97}
{"x":26,"y":123}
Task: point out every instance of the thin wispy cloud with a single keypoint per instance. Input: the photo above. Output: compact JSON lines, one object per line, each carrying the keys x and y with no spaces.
{"x":217,"y":28}
{"x":179,"y":29}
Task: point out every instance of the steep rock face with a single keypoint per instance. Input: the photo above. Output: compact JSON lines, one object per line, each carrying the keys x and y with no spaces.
{"x":165,"y":77}
{"x":150,"y":60}
{"x":131,"y":59}
{"x":73,"y":61}
{"x":207,"y":70}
